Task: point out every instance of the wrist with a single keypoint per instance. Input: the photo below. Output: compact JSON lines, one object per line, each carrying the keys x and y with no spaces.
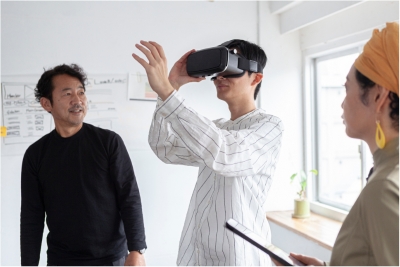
{"x":174,"y":83}
{"x":139,"y":251}
{"x":164,"y":95}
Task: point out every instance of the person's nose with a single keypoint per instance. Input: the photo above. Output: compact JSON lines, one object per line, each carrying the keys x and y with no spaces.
{"x":76,"y":99}
{"x":219,"y":77}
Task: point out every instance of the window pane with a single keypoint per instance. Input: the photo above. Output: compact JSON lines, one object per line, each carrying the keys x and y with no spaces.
{"x":338,"y":156}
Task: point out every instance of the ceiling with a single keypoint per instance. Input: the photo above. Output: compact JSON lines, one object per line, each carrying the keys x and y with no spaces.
{"x":294,"y":15}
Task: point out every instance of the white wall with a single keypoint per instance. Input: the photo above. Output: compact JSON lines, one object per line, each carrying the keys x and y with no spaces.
{"x":281,"y":95}
{"x":292,"y":242}
{"x":100,"y":36}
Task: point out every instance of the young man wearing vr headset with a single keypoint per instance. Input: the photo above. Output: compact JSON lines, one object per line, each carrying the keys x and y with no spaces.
{"x":236,"y":157}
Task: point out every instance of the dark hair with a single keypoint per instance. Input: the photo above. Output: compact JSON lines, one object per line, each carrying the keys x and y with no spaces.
{"x":44,"y":87}
{"x":366,"y":84}
{"x":252,"y":52}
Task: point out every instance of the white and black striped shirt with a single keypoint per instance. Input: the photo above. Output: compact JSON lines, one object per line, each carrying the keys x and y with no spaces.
{"x":236,"y":161}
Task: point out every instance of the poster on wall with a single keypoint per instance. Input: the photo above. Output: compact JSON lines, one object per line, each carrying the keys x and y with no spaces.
{"x":100,"y":93}
{"x":23,"y":117}
{"x":139,"y":88}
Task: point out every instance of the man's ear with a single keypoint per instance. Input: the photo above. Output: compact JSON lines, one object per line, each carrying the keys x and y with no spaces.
{"x":380,"y":97}
{"x":257,"y":79}
{"x":46,"y":104}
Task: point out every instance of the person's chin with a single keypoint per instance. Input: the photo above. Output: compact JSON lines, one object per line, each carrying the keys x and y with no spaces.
{"x":221,"y":98}
{"x":77,"y":120}
{"x":350,"y":134}
{"x":221,"y":95}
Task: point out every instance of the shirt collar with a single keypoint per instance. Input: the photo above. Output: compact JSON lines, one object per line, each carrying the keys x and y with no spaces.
{"x":388,"y":153}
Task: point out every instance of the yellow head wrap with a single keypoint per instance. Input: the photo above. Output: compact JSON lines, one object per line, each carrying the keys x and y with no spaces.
{"x":380,"y":59}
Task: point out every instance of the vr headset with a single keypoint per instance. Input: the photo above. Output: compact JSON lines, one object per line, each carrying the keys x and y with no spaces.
{"x":220,"y":61}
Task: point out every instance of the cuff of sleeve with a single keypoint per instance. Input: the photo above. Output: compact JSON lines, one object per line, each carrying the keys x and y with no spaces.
{"x":159,"y":102}
{"x":137,"y":246}
{"x":172,"y":105}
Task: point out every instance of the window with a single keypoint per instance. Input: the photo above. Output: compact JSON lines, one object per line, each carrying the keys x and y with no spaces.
{"x":343,"y":163}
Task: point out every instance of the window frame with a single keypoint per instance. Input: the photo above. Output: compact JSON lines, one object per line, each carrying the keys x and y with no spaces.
{"x":310,"y":131}
{"x":315,"y":120}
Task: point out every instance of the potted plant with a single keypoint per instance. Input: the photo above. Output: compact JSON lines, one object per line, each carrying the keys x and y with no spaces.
{"x":301,"y":204}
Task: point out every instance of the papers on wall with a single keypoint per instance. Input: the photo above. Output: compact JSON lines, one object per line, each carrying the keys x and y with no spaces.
{"x":139,"y":88}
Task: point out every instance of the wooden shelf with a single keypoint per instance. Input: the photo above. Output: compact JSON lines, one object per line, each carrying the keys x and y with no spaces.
{"x":317,"y":228}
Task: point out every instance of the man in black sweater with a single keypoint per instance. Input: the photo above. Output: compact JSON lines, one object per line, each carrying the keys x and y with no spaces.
{"x":81,"y":178}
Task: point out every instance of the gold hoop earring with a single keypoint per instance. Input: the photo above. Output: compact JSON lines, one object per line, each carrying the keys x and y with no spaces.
{"x":379,"y":136}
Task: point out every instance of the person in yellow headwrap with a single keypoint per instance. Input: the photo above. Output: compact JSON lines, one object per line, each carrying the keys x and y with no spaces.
{"x":370,"y":233}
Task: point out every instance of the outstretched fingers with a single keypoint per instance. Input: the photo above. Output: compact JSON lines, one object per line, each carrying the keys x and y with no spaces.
{"x":160,"y":50}
{"x":141,"y":61}
{"x":156,"y":67}
{"x":147,"y":52}
{"x":153,"y":49}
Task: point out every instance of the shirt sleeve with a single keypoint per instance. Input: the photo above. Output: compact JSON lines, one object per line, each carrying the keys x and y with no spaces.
{"x":382,"y":222}
{"x":179,"y":135}
{"x":32,"y":213}
{"x":128,"y":195}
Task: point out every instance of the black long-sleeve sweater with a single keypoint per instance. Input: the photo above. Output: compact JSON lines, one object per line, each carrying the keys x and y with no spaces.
{"x":86,"y":187}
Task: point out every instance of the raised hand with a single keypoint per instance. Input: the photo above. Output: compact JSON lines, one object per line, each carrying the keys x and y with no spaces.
{"x":156,"y":68}
{"x":178,"y":75}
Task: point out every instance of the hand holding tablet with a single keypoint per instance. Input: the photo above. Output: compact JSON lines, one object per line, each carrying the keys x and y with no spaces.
{"x":275,"y":253}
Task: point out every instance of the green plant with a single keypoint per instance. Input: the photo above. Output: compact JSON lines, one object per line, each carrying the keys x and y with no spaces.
{"x":302,"y":178}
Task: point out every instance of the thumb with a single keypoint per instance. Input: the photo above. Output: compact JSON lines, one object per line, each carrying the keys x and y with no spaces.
{"x":198,"y":79}
{"x":300,"y":257}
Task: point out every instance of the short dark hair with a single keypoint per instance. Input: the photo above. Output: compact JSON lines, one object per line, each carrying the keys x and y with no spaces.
{"x":366,"y":84}
{"x":250,"y":51}
{"x":44,"y":87}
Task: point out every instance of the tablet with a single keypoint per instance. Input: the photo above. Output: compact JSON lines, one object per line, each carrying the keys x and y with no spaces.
{"x":274,"y":252}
